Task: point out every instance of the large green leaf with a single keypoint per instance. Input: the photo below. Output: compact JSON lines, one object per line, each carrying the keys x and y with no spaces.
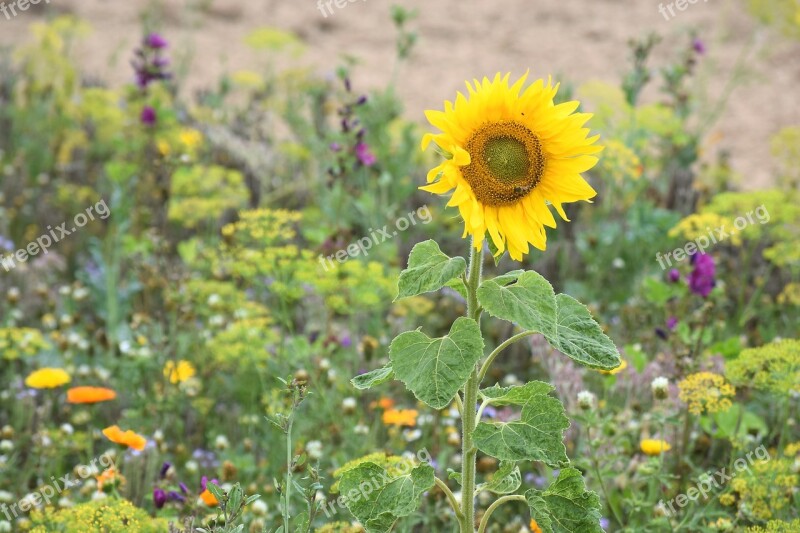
{"x":537,"y":436}
{"x":435,"y":369}
{"x":377,"y":499}
{"x":516,"y":395}
{"x":429,"y":269}
{"x":506,"y":480}
{"x":528,"y":299}
{"x":565,"y":506}
{"x":375,"y":377}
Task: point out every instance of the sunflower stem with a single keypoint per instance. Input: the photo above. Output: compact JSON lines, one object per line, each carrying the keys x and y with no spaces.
{"x":468,"y":416}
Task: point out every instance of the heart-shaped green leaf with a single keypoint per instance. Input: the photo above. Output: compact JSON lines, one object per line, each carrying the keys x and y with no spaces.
{"x":435,"y":369}
{"x":537,"y":436}
{"x":506,"y":480}
{"x":516,"y":395}
{"x":565,"y":506}
{"x":429,"y":269}
{"x":377,"y":499}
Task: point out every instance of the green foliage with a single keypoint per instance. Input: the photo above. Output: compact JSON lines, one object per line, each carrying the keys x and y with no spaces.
{"x":565,"y":506}
{"x":429,"y":270}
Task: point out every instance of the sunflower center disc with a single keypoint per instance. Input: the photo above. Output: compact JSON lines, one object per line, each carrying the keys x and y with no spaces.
{"x":507,"y":162}
{"x":507,"y":159}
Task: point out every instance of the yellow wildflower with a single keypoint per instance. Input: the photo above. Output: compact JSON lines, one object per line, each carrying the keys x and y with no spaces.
{"x":706,"y":392}
{"x":654,"y":446}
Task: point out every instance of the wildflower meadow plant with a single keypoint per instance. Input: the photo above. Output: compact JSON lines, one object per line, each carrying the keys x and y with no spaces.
{"x":509,"y":153}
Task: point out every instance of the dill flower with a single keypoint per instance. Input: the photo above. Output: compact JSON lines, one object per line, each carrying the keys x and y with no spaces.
{"x":90,"y":394}
{"x":47,"y":378}
{"x":400,"y":417}
{"x":510,"y":155}
{"x":179,"y":372}
{"x":654,"y":446}
{"x":128,"y":438}
{"x":706,"y":392}
{"x":774,"y":367}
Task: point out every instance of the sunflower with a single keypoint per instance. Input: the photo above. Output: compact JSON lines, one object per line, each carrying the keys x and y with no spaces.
{"x":510,"y":153}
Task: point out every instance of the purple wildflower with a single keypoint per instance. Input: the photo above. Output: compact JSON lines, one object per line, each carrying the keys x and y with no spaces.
{"x":701,"y":279}
{"x":159,"y":497}
{"x":699,"y":46}
{"x":674,"y":275}
{"x":148,"y":116}
{"x":155,"y":41}
{"x":364,"y":155}
{"x":672,"y":322}
{"x":164,"y":469}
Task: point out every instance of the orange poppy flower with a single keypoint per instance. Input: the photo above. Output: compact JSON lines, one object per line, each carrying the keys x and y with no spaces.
{"x":128,"y":438}
{"x":90,"y":394}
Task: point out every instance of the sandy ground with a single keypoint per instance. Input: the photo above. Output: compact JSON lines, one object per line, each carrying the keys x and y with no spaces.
{"x":578,"y":40}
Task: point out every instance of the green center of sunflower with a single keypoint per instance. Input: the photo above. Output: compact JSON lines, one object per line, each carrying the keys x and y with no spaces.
{"x":507,"y":162}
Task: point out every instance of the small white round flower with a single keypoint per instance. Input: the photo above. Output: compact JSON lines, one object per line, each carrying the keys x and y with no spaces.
{"x":221,"y":442}
{"x":349,"y":405}
{"x":65,"y":502}
{"x":64,"y":290}
{"x":81,"y":293}
{"x":5,"y":526}
{"x":586,"y":400}
{"x":216,"y":321}
{"x":191,"y":466}
{"x":412,"y":434}
{"x":361,"y":429}
{"x":259,"y":508}
{"x":214,"y":300}
{"x":6,"y":497}
{"x":6,"y":445}
{"x":660,"y":387}
{"x":99,"y":495}
{"x":510,"y":379}
{"x":67,"y":429}
{"x":332,"y":374}
{"x":618,"y":263}
{"x":314,"y":449}
{"x":324,"y":364}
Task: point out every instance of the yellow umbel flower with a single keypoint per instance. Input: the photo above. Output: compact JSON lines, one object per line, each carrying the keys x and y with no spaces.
{"x":179,"y":372}
{"x":654,"y":446}
{"x":774,"y":367}
{"x":706,"y":392}
{"x":510,"y":154}
{"x":47,"y":378}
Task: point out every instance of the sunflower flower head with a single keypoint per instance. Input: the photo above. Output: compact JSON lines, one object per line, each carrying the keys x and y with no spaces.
{"x":510,"y":154}
{"x":47,"y":378}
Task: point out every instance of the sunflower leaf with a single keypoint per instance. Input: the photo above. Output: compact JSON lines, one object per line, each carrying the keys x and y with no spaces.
{"x":528,"y":299}
{"x":435,"y":369}
{"x":377,"y":499}
{"x":516,"y":395}
{"x":506,"y":480}
{"x":429,"y":269}
{"x":565,"y":506}
{"x":373,"y":378}
{"x":537,"y":436}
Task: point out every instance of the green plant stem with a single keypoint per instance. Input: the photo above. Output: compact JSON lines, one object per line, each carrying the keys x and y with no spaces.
{"x":468,"y":416}
{"x":496,"y":352}
{"x":495,"y":505}
{"x":450,"y":497}
{"x":288,"y":490}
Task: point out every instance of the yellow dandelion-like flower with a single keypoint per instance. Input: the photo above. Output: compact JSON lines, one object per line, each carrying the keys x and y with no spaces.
{"x":654,"y":446}
{"x":706,"y":392}
{"x":179,"y":372}
{"x":511,"y":153}
{"x":622,"y":366}
{"x":47,"y":378}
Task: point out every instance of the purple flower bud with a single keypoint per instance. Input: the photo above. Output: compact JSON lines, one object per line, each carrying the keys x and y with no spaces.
{"x":164,"y":469}
{"x":661,"y":332}
{"x":699,"y":46}
{"x":702,"y":278}
{"x":159,"y":497}
{"x":175,"y":497}
{"x":672,"y":322}
{"x":347,"y":84}
{"x":362,"y":100}
{"x":148,"y":116}
{"x":674,"y":275}
{"x":335,"y":147}
{"x":155,"y":41}
{"x":183,"y":487}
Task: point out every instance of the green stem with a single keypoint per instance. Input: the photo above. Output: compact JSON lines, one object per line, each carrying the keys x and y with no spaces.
{"x":495,"y":505}
{"x":468,"y":416}
{"x":496,"y":352}
{"x":450,"y":497}
{"x":288,"y":490}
